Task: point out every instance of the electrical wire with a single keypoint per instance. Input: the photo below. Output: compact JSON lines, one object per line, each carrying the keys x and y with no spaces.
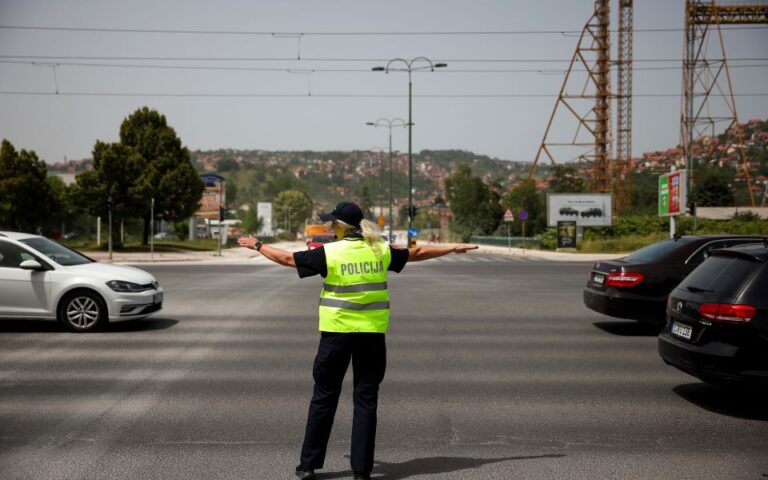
{"x":337,"y":33}
{"x":325,"y":70}
{"x":331,"y":59}
{"x":344,"y":95}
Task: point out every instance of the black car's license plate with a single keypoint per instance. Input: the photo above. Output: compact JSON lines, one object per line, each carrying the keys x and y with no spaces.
{"x":681,"y":330}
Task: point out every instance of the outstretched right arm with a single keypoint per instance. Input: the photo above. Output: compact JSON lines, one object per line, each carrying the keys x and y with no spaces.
{"x":277,"y":255}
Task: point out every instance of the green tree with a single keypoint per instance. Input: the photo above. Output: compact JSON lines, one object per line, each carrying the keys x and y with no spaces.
{"x":62,"y":209}
{"x":365,"y":201}
{"x":565,"y":179}
{"x":525,"y":197}
{"x":167,"y":175}
{"x":645,"y":194}
{"x":250,"y":221}
{"x":282,"y":183}
{"x":26,"y":197}
{"x":115,"y":168}
{"x":475,"y":206}
{"x":291,"y":209}
{"x":711,"y":188}
{"x":228,"y":164}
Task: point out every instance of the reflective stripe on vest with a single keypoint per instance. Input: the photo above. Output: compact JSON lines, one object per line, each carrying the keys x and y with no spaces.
{"x":363,"y":287}
{"x":336,"y":303}
{"x":354,"y":296}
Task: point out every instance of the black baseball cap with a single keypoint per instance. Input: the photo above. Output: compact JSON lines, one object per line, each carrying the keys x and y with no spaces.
{"x":347,"y":212}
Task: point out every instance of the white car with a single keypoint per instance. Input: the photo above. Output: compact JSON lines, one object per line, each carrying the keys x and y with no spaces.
{"x":42,"y":279}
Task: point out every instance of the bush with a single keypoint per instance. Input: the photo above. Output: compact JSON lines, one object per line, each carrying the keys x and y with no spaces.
{"x":548,"y":238}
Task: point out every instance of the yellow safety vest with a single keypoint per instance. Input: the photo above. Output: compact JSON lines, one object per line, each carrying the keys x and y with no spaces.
{"x":355,"y":296}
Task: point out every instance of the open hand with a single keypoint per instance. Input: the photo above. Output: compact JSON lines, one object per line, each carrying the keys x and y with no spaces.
{"x":248,"y":242}
{"x":464,"y":248}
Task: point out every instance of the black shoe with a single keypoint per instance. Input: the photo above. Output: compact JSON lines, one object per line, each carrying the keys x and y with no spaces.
{"x":361,"y":476}
{"x":305,"y":474}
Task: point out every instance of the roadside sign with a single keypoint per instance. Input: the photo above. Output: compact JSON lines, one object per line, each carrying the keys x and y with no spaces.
{"x":413,"y":232}
{"x":509,"y":216}
{"x":586,"y":209}
{"x":566,"y":234}
{"x":672,"y":194}
{"x":523,"y":214}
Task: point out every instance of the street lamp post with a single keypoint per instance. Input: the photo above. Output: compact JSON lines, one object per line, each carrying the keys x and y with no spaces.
{"x":389,"y":123}
{"x":409,"y":67}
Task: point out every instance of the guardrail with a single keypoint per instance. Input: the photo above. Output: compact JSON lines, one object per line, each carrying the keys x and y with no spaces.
{"x":530,"y":242}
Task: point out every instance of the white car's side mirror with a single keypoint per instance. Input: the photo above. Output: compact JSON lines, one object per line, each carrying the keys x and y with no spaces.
{"x":31,"y":265}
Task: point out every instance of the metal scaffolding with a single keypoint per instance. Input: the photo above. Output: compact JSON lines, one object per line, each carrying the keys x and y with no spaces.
{"x":706,"y":79}
{"x":593,"y":133}
{"x":622,"y":176}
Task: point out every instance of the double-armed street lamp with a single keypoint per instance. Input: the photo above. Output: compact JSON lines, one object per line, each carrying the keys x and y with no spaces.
{"x":389,"y":123}
{"x":410,"y":66}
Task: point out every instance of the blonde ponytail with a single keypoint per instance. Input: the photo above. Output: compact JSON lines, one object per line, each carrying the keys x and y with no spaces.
{"x":372,"y":235}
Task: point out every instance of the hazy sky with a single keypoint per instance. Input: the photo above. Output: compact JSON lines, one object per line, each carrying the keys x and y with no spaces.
{"x":508,"y":128}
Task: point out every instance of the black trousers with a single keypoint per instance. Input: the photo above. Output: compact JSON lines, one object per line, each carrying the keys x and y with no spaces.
{"x":368,"y":353}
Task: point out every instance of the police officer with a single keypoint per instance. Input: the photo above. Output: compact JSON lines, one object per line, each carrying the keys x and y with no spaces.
{"x":354,"y":316}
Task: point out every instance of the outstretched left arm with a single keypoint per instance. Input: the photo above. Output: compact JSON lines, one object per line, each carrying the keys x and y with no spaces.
{"x":417,"y":254}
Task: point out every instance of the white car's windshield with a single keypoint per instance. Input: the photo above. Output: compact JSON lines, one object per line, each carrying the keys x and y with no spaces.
{"x":57,"y":252}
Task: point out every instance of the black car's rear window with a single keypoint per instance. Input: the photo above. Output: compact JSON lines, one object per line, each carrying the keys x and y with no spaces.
{"x":654,"y":252}
{"x":725,"y":276}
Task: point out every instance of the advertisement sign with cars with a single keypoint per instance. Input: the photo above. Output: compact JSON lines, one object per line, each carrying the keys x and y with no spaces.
{"x":586,"y":209}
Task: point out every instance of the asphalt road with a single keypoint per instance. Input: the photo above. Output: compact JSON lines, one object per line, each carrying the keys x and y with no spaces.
{"x":496,"y":370}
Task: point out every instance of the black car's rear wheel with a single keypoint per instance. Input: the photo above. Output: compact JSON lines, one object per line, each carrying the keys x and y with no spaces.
{"x":82,"y":311}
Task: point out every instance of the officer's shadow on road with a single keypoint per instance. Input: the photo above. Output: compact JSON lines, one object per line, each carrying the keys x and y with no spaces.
{"x":430,"y":466}
{"x":748,"y":405}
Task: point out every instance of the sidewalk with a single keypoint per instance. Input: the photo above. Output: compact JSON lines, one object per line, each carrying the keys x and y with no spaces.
{"x":548,"y":255}
{"x":246,"y":256}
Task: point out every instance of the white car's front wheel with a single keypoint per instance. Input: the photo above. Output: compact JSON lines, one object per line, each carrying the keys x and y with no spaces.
{"x":82,"y":311}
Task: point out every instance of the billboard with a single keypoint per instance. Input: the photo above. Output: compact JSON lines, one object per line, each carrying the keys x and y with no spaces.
{"x":673,"y":196}
{"x":566,"y":234}
{"x":586,"y":209}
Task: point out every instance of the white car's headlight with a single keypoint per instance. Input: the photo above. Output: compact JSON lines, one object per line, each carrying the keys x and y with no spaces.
{"x":128,"y":287}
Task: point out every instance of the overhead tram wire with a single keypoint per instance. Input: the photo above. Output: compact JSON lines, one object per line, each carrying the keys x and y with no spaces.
{"x":328,"y":70}
{"x":337,"y":33}
{"x":329,"y":59}
{"x":334,"y":95}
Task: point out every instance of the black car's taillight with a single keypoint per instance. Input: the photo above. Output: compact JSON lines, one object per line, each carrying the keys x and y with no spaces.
{"x":727,"y":313}
{"x":624,"y":279}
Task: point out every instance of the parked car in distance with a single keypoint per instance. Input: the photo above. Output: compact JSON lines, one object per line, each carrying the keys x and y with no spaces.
{"x":163,"y":236}
{"x":592,"y":212}
{"x":569,"y":211}
{"x":717,"y":319}
{"x":636,"y":287}
{"x":43,"y":280}
{"x":317,"y":241}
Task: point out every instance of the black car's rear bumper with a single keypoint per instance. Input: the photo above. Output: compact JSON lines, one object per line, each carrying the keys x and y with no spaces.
{"x":713,"y":361}
{"x":626,"y":305}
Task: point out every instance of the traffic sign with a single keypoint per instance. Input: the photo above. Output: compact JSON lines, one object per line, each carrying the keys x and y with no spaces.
{"x":413,"y":232}
{"x":509,"y":216}
{"x":523,"y":214}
